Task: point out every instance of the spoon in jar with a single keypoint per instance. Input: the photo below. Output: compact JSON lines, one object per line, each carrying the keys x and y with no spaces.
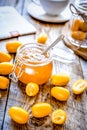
{"x":60,"y":37}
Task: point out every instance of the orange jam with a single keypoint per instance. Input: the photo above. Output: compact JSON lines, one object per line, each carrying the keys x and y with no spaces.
{"x":31,"y":65}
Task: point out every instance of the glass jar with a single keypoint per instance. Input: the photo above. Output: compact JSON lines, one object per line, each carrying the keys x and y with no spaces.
{"x":78,"y":23}
{"x":32,"y":66}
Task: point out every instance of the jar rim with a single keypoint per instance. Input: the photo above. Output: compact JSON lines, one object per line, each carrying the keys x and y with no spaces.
{"x":81,"y":5}
{"x":26,"y":61}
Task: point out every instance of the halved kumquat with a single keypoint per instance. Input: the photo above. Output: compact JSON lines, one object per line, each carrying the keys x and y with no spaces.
{"x":32,"y":89}
{"x":58,"y":116}
{"x":79,"y":86}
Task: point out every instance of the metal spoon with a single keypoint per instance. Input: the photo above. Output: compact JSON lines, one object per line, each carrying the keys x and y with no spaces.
{"x":60,"y":37}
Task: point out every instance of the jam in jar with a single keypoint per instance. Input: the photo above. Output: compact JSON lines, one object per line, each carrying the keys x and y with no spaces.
{"x":31,"y":65}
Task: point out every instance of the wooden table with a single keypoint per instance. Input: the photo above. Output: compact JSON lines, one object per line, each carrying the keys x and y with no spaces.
{"x":75,"y":107}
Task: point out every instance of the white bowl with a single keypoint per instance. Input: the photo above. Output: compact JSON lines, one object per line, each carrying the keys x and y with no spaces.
{"x":54,"y":7}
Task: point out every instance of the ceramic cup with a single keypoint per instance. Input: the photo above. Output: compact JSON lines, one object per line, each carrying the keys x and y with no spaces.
{"x":52,"y":7}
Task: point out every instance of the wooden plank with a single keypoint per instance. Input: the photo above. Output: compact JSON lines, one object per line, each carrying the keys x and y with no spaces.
{"x":27,"y":39}
{"x":84,"y":68}
{"x":4,"y":93}
{"x":84,"y":103}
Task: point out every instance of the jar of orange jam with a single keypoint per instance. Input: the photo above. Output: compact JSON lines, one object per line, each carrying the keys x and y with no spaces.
{"x":31,"y":65}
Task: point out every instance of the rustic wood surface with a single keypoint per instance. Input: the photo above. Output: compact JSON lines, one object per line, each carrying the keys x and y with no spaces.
{"x":75,"y":107}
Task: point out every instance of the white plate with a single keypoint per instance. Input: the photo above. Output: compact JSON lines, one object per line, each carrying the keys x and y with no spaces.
{"x":37,"y":12}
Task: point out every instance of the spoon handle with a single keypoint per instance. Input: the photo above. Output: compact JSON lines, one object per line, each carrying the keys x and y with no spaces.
{"x":60,"y":37}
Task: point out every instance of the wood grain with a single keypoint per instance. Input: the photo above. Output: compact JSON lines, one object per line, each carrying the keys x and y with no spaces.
{"x":75,"y":106}
{"x":4,"y":93}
